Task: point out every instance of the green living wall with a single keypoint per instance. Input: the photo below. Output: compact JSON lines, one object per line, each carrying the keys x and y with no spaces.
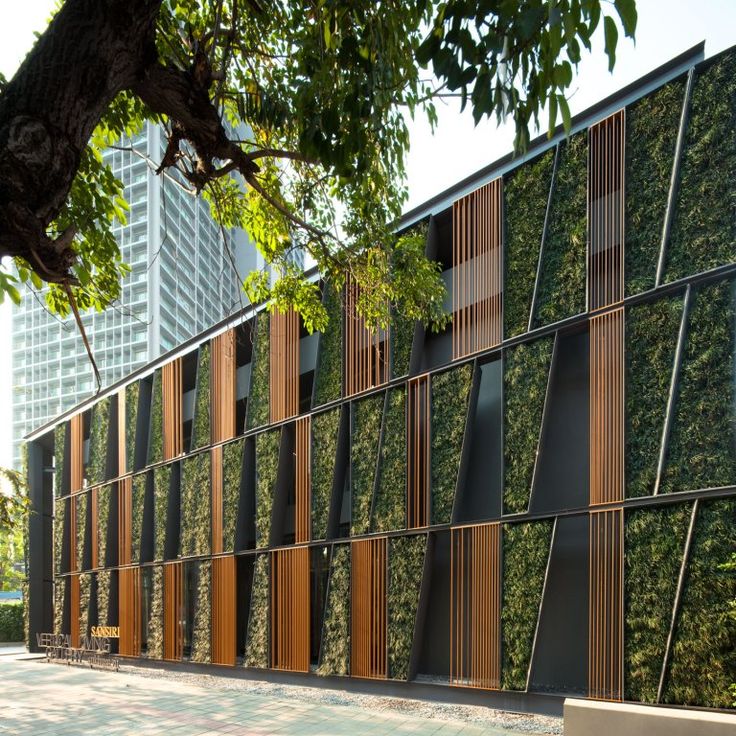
{"x":258,"y":411}
{"x":366,"y":418}
{"x":60,"y":508}
{"x":561,"y":291}
{"x":202,"y":624}
{"x":98,"y":431}
{"x":81,"y":502}
{"x":201,"y":423}
{"x":195,"y":505}
{"x":325,"y":429}
{"x":156,"y":421}
{"x":526,"y":370}
{"x":132,"y":391}
{"x":155,"y":627}
{"x":651,"y":342}
{"x":60,"y":586}
{"x":104,"y":579}
{"x":406,"y":563}
{"x":704,"y":227}
{"x":328,"y":379}
{"x":161,"y":486}
{"x":450,"y":399}
{"x":526,"y":191}
{"x":526,"y":549}
{"x":652,"y":125}
{"x":59,"y":441}
{"x":232,"y":469}
{"x":335,"y":654}
{"x":267,"y":468}
{"x":85,"y":590}
{"x":138,"y":503}
{"x":389,"y":510}
{"x":653,"y":548}
{"x":701,"y":448}
{"x":104,"y":498}
{"x":256,"y":645}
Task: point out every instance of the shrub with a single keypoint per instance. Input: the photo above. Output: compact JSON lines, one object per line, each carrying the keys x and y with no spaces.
{"x":258,"y":410}
{"x":138,"y":506}
{"x":232,"y":467}
{"x":267,"y":467}
{"x":201,"y":423}
{"x":390,"y":505}
{"x":366,"y":434}
{"x":81,"y":501}
{"x":156,"y":615}
{"x":156,"y":422}
{"x":104,"y":495}
{"x":195,"y":505}
{"x":103,"y":597}
{"x":256,"y":646}
{"x":59,"y":438}
{"x":99,"y":424}
{"x":325,"y":429}
{"x":328,"y":378}
{"x":526,"y":373}
{"x":11,"y":621}
{"x":335,"y":653}
{"x":202,"y":624}
{"x":132,"y":391}
{"x":161,"y":485}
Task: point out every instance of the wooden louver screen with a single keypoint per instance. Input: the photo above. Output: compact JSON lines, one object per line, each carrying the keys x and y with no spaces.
{"x":122,"y":445}
{"x":368,"y":609}
{"x":129,"y":610}
{"x":74,"y":595}
{"x":477,"y":276}
{"x":606,"y":175}
{"x":223,"y":610}
{"x":173,"y":618}
{"x":223,"y":377}
{"x":417,"y":432}
{"x":172,"y":409}
{"x":77,"y":453}
{"x":216,"y":489}
{"x":475,"y":606}
{"x":303,"y":480}
{"x":125,"y":520}
{"x":366,"y":348}
{"x":284,"y":362}
{"x":74,"y":561}
{"x":605,"y":655}
{"x":290,"y":609}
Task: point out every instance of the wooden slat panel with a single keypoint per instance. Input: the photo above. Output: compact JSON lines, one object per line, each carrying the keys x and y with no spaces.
{"x":172,"y":409}
{"x":290,"y":609}
{"x":74,"y":610}
{"x":129,"y":611}
{"x":125,"y":520}
{"x":222,"y":381}
{"x":477,"y":259}
{"x":605,"y":654}
{"x":77,"y":452}
{"x":216,"y":489}
{"x":475,"y":606}
{"x":606,"y":180}
{"x":284,"y":362}
{"x":173,"y":614}
{"x":368,"y":655}
{"x":418,"y":461}
{"x":303,"y":480}
{"x":224,"y":610}
{"x":74,"y":563}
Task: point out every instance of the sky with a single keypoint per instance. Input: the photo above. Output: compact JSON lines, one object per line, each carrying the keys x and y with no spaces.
{"x":457,"y":148}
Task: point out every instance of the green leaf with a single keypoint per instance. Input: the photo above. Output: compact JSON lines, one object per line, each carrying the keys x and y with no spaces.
{"x":565,"y":111}
{"x":627,"y":13}
{"x":611,"y":36}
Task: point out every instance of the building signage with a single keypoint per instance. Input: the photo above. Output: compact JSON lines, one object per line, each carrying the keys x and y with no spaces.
{"x":92,"y":650}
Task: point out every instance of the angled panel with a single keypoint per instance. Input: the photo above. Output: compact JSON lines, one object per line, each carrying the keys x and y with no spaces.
{"x":129,"y":610}
{"x":174,"y":617}
{"x":171,"y":377}
{"x":303,"y":480}
{"x":77,"y":452}
{"x":290,"y":648}
{"x":223,"y":386}
{"x":284,"y":365}
{"x":418,"y":461}
{"x":224,"y":610}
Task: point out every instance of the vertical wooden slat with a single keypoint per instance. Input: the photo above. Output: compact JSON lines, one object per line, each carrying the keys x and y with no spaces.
{"x":418,"y":460}
{"x":222,"y":384}
{"x":125,"y":514}
{"x":303,"y":480}
{"x":74,"y":610}
{"x":122,"y":445}
{"x":216,"y":498}
{"x":172,"y":409}
{"x":173,"y":614}
{"x":129,"y":610}
{"x":284,"y":365}
{"x":224,"y":610}
{"x":77,"y":452}
{"x":290,"y":608}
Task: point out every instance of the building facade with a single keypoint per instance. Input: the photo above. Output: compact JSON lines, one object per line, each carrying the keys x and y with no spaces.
{"x":538,"y":502}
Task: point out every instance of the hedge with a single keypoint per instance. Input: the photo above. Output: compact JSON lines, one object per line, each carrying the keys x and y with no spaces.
{"x":267,"y":466}
{"x":99,"y":425}
{"x":652,"y":125}
{"x":232,"y":468}
{"x":561,"y":291}
{"x":60,"y":505}
{"x":325,"y":430}
{"x":161,"y":485}
{"x":201,"y":423}
{"x":85,"y":588}
{"x":132,"y":391}
{"x":59,"y":597}
{"x":526,"y":549}
{"x":59,"y":439}
{"x":526,"y":191}
{"x":526,"y":373}
{"x":703,"y":660}
{"x":81,"y":501}
{"x":103,"y":597}
{"x":11,"y":621}
{"x":406,"y":564}
{"x":366,"y":417}
{"x":653,"y":549}
{"x":335,"y":654}
{"x":155,"y":646}
{"x":450,"y":398}
{"x":104,"y":496}
{"x":389,"y":510}
{"x":196,"y":511}
{"x":202,"y":625}
{"x":156,"y":422}
{"x":651,"y":342}
{"x":328,"y":379}
{"x":256,"y":646}
{"x":701,"y":448}
{"x":138,"y":504}
{"x":704,"y":226}
{"x":258,"y":410}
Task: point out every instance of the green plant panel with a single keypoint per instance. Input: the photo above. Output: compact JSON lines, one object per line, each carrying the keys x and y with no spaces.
{"x":156,"y":615}
{"x":232,"y":469}
{"x":256,"y":645}
{"x":59,"y":439}
{"x":195,"y":505}
{"x":389,"y":511}
{"x":325,"y":430}
{"x":450,"y":398}
{"x":703,"y":660}
{"x":328,"y":386}
{"x":98,"y":431}
{"x":138,"y":507}
{"x":132,"y":391}
{"x":156,"y":426}
{"x":103,"y":597}
{"x":652,"y":125}
{"x":267,"y":468}
{"x":60,"y":506}
{"x":526,"y":370}
{"x":258,"y":410}
{"x":366,"y":434}
{"x":335,"y":653}
{"x":406,"y":563}
{"x":81,"y":502}
{"x":201,"y":424}
{"x":161,"y":485}
{"x":85,"y":587}
{"x":526,"y":550}
{"x":651,"y":342}
{"x":402,"y":337}
{"x":104,"y":496}
{"x":561,"y":291}
{"x":701,"y":449}
{"x":202,"y":624}
{"x":59,"y":586}
{"x":526,"y":191}
{"x":704,"y":227}
{"x":653,"y":549}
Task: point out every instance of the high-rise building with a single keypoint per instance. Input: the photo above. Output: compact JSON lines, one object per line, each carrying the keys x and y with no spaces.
{"x":183,"y":279}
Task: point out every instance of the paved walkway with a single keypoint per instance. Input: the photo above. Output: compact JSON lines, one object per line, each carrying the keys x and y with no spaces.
{"x":39,"y":698}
